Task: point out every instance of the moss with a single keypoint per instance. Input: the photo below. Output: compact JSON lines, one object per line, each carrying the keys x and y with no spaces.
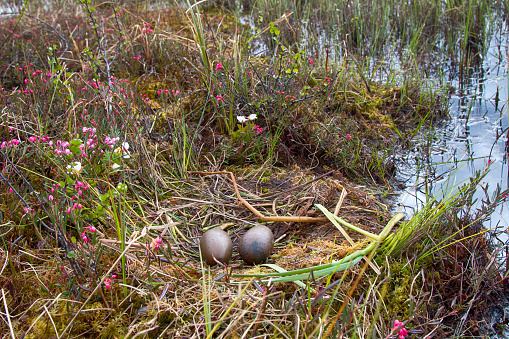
{"x":398,"y":293}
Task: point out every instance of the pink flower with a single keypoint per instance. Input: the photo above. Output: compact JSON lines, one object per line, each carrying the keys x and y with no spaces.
{"x":219,"y":98}
{"x":108,"y":281}
{"x":310,"y":61}
{"x":156,"y":243}
{"x":32,"y":139}
{"x":27,"y":210}
{"x":50,"y":197}
{"x":219,"y":66}
{"x":258,"y":129}
{"x":349,"y":136}
{"x":402,"y":331}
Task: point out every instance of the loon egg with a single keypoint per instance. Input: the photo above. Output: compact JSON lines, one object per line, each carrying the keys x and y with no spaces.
{"x":216,"y":243}
{"x":256,"y":245}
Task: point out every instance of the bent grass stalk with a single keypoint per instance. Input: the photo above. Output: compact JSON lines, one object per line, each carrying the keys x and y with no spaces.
{"x":324,"y":270}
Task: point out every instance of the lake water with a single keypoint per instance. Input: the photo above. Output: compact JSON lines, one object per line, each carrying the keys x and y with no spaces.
{"x":474,"y":134}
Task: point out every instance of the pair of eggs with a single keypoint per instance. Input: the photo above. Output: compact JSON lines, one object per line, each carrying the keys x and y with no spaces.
{"x":254,"y":247}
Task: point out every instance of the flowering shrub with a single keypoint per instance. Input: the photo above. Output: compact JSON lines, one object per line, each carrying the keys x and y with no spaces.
{"x":400,"y":327}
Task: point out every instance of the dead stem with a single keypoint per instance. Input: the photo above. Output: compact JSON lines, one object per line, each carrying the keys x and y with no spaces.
{"x":255,"y":211}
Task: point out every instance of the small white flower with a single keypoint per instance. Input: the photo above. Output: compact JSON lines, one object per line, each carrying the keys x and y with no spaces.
{"x":115,"y":166}
{"x":74,"y":168}
{"x":241,"y":118}
{"x":123,"y":150}
{"x":252,"y":117}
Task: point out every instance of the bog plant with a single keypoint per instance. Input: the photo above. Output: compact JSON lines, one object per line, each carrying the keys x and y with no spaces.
{"x":107,"y":109}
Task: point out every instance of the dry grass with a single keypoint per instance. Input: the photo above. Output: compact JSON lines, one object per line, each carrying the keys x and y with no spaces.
{"x":96,"y":270}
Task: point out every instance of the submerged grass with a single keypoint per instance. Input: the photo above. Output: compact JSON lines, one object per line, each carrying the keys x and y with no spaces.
{"x":108,"y":108}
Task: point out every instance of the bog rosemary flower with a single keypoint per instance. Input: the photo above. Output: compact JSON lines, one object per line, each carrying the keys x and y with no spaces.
{"x":402,"y":331}
{"x":156,"y":243}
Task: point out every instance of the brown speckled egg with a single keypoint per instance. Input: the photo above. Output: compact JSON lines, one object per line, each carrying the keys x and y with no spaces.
{"x":256,"y":245}
{"x":216,"y":243}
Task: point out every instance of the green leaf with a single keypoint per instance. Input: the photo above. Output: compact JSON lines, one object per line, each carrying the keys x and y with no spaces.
{"x":71,"y":255}
{"x":104,"y":196}
{"x":75,"y":150}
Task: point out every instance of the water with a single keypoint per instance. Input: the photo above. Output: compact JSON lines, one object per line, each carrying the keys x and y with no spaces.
{"x":475,"y":134}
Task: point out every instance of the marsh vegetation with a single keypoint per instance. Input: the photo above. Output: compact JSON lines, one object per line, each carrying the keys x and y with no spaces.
{"x":129,"y":128}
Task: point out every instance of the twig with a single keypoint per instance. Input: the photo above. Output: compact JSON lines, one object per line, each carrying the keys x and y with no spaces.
{"x":99,"y":285}
{"x":344,"y":192}
{"x":255,"y":211}
{"x":301,"y":185}
{"x":60,"y":237}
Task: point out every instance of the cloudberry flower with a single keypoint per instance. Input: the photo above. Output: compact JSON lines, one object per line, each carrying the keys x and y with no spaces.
{"x":74,"y":168}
